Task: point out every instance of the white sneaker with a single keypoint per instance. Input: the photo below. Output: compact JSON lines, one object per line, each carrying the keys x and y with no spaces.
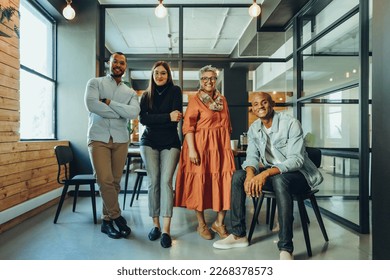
{"x":286,"y":256}
{"x":231,"y":242}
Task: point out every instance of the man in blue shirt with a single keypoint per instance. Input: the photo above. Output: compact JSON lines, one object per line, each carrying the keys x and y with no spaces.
{"x":276,"y":160}
{"x":111,"y":104}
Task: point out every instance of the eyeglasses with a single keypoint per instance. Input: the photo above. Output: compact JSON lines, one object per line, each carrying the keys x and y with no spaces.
{"x":206,"y":79}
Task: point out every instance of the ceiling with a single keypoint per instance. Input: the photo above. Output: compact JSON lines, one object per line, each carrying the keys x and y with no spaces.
{"x":206,"y":31}
{"x":209,"y":31}
{"x":218,"y":32}
{"x":213,"y":30}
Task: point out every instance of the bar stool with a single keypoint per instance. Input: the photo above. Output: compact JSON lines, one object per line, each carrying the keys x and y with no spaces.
{"x":141,"y":173}
{"x":132,"y":152}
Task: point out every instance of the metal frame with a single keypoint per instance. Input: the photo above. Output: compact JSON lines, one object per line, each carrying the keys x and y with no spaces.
{"x":43,"y":12}
{"x":364,"y":149}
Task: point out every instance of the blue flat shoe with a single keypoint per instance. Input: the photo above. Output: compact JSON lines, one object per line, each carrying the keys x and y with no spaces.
{"x":166,"y":240}
{"x":154,"y":234}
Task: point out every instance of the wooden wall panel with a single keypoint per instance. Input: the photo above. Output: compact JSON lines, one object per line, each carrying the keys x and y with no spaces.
{"x":9,"y":104}
{"x":24,"y":194}
{"x":10,"y":82}
{"x":9,"y":60}
{"x":11,"y":179}
{"x":25,"y":156}
{"x":10,"y":93}
{"x":7,"y":47}
{"x":10,"y":72}
{"x":9,"y":136}
{"x":9,"y":115}
{"x":29,"y":146}
{"x":27,"y":173}
{"x":9,"y":126}
{"x":12,"y":41}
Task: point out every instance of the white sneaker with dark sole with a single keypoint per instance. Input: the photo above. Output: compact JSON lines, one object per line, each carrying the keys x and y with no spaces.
{"x":286,"y":256}
{"x":231,"y":242}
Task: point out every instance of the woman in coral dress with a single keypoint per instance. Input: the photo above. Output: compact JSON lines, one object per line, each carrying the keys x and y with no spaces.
{"x":206,"y":163}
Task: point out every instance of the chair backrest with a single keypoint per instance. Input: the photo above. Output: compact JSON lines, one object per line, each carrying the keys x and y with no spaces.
{"x":64,"y":156}
{"x":315,"y":155}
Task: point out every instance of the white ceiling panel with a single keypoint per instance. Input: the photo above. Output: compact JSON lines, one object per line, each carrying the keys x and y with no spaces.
{"x":206,"y":30}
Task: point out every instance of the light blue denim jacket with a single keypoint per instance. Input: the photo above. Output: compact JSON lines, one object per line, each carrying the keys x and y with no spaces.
{"x":288,"y":147}
{"x":107,"y":121}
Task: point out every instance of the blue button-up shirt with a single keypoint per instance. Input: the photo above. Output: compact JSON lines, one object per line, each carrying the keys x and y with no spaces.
{"x":107,"y":121}
{"x":288,"y":145}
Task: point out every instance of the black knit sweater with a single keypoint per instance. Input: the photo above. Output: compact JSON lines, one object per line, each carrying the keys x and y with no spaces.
{"x":160,"y":132}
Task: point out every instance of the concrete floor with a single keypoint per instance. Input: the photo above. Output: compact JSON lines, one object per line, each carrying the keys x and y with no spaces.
{"x":76,"y":237}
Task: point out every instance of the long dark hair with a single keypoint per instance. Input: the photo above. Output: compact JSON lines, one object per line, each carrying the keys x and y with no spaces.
{"x":152,"y":85}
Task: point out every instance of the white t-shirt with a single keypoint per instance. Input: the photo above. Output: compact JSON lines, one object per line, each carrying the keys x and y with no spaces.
{"x":269,"y":155}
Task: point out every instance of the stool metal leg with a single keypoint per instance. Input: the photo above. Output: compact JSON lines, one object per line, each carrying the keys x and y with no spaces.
{"x":139,"y":185}
{"x":126,"y":181}
{"x":64,"y":191}
{"x":273,"y":210}
{"x":317,"y":212}
{"x":93,"y":199}
{"x":255,"y":217}
{"x":303,"y":214}
{"x":76,"y":194}
{"x":134,"y":190}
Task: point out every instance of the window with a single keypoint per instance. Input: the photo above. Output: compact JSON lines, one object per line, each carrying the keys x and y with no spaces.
{"x":37,"y":84}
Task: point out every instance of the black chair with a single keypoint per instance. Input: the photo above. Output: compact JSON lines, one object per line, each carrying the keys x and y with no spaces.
{"x":64,"y":157}
{"x":315,"y":156}
{"x":141,"y":173}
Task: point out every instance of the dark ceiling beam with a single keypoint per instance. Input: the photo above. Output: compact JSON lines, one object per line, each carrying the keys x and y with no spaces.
{"x":277,"y":14}
{"x":268,"y":34}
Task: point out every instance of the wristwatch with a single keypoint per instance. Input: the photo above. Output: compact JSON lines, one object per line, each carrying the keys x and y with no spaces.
{"x":103,"y":100}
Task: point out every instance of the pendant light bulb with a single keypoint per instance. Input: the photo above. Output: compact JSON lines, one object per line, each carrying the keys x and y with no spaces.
{"x":160,"y":10}
{"x":68,"y":12}
{"x":254,"y":9}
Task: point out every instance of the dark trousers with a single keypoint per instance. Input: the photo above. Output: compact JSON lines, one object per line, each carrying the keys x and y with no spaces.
{"x":284,"y":185}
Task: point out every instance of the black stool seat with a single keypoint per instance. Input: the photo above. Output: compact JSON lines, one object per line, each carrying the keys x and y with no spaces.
{"x":141,"y":173}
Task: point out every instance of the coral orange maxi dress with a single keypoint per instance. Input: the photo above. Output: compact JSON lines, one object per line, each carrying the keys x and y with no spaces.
{"x":206,"y":186}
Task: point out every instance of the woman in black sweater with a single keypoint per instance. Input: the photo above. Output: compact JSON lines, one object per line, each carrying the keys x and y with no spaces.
{"x":161,"y":110}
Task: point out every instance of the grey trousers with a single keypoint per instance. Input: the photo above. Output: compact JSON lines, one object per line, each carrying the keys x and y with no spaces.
{"x":160,"y":168}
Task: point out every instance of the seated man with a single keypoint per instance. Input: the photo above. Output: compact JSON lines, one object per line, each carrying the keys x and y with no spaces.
{"x":276,"y":160}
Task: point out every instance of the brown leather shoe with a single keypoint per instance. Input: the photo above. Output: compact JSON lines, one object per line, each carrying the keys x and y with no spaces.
{"x":204,"y":232}
{"x":221,"y":230}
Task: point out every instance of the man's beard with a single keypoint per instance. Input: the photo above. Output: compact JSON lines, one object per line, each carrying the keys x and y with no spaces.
{"x":116,"y":76}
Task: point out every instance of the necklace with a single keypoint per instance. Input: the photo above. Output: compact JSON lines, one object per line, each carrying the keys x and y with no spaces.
{"x":160,"y":92}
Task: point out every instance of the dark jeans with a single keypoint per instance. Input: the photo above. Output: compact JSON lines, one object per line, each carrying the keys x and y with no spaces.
{"x":284,"y":185}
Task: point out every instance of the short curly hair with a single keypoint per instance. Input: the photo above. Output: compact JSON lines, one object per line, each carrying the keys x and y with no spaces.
{"x":207,"y":68}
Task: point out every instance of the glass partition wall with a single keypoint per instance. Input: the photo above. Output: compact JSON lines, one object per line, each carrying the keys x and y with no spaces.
{"x":333,"y":53}
{"x":190,"y":37}
{"x":312,"y":67}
